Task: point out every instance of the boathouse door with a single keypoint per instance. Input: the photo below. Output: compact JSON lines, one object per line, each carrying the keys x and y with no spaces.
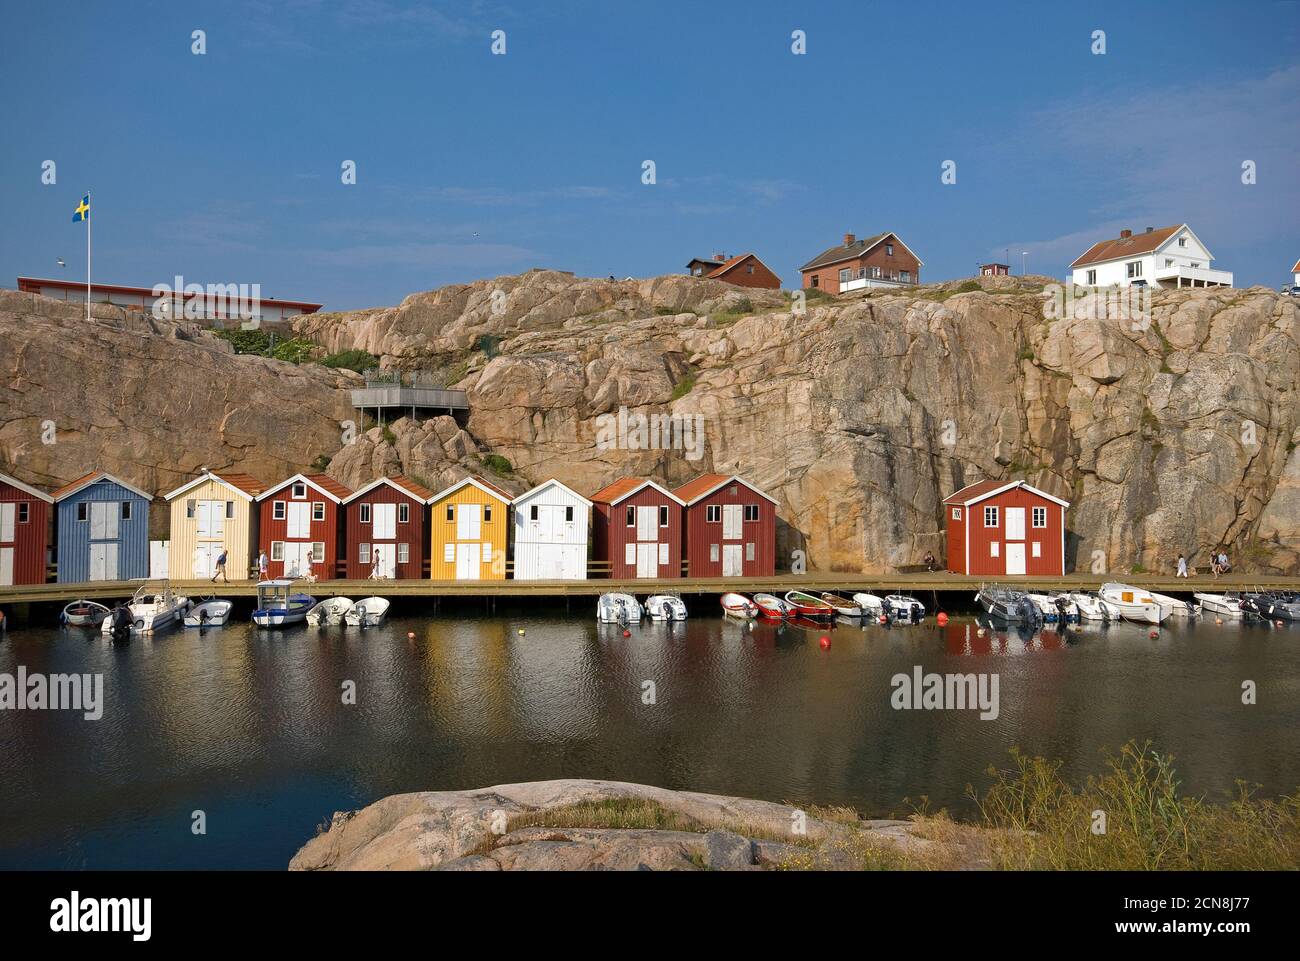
{"x":467,"y":561}
{"x":103,"y":561}
{"x":733,"y":563}
{"x":647,"y":528}
{"x":732,"y":525}
{"x":1016,"y":558}
{"x":647,"y":557}
{"x":6,"y":566}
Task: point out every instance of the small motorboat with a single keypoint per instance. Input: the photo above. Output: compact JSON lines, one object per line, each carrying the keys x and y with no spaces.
{"x":1005,"y":603}
{"x":279,"y":605}
{"x":771,"y":606}
{"x":84,"y":613}
{"x":904,"y":607}
{"x":665,"y":607}
{"x":738,"y":605}
{"x":872,"y":605}
{"x":332,"y":610}
{"x":1176,"y":607}
{"x":209,"y":613}
{"x":615,"y":608}
{"x":1223,"y":605}
{"x":1067,"y":612}
{"x":842,"y":606}
{"x":152,"y":609}
{"x":1134,"y":604}
{"x":1284,"y":607}
{"x":806,"y":605}
{"x":367,"y":612}
{"x":1092,"y":608}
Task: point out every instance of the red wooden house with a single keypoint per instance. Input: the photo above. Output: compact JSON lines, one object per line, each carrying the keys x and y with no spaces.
{"x":1005,"y":528}
{"x":302,"y":516}
{"x":730,"y":528}
{"x":24,"y":532}
{"x":385,"y":524}
{"x":637,"y":527}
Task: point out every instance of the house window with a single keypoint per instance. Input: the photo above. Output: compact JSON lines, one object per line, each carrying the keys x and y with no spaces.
{"x":629,"y":554}
{"x":1182,"y":241}
{"x":568,"y":514}
{"x":846,"y":275}
{"x":814,"y":280}
{"x":990,"y":517}
{"x":873,"y":273}
{"x":318,"y":510}
{"x":189,"y":510}
{"x":487,"y":553}
{"x":749,"y":269}
{"x":449,"y":553}
{"x":403,"y":513}
{"x":713,"y":514}
{"x":318,"y":552}
{"x":403,"y":553}
{"x":487,"y":513}
{"x":277,"y":550}
{"x":1040,"y":516}
{"x":1194,"y":264}
{"x":299,"y":491}
{"x":956,"y":513}
{"x":631,"y":516}
{"x":277,"y":510}
{"x":889,"y":250}
{"x":1036,"y":549}
{"x":995,"y":549}
{"x":749,"y":551}
{"x":751,"y":512}
{"x":81,"y":511}
{"x":23,"y":512}
{"x":1169,"y":261}
{"x":663,"y":515}
{"x":230,"y":510}
{"x":363,"y":553}
{"x":451,"y":512}
{"x":713,"y":553}
{"x":1092,"y":278}
{"x":663,"y":555}
{"x":365,"y":514}
{"x":533,"y":513}
{"x":905,"y":276}
{"x":1134,"y":268}
{"x":126,"y":510}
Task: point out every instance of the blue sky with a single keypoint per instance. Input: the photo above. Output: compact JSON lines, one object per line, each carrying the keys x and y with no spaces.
{"x":225,"y":168}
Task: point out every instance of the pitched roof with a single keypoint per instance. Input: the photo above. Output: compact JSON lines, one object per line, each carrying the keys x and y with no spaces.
{"x":853,"y":251}
{"x":625,"y":487}
{"x":67,"y":490}
{"x":486,"y":486}
{"x":550,"y":483}
{"x":982,"y":490}
{"x":1118,"y":247}
{"x":246,"y":484}
{"x":1296,"y":268}
{"x":706,"y":484}
{"x":404,"y":484}
{"x":322,"y":482}
{"x":14,"y":482}
{"x":729,"y":264}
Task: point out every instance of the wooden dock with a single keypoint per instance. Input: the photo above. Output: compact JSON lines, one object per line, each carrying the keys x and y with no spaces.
{"x":828,"y":581}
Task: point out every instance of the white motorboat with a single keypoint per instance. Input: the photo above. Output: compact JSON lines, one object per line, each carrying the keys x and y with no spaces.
{"x":616,"y":608}
{"x":1224,"y":605}
{"x":843,"y":606}
{"x":771,"y":606}
{"x":1067,"y":612}
{"x":367,"y":612}
{"x":151,"y":609}
{"x":209,"y":613}
{"x":872,"y":604}
{"x":84,"y":613}
{"x":904,"y":607}
{"x":665,"y":607}
{"x":1007,"y":603}
{"x":738,"y":605}
{"x":1176,"y":607}
{"x":332,"y":610}
{"x":1093,"y":608}
{"x":1134,"y":604}
{"x":279,"y":605}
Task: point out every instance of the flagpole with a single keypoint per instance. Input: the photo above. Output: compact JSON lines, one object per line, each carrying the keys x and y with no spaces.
{"x":87,"y":258}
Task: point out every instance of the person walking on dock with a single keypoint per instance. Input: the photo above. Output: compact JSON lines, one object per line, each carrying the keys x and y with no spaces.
{"x":377,"y":568}
{"x":261,"y":566}
{"x":310,"y":575}
{"x":1182,"y":566}
{"x":221,"y":567}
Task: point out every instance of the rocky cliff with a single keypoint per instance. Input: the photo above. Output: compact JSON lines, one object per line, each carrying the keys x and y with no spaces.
{"x":1173,"y":431}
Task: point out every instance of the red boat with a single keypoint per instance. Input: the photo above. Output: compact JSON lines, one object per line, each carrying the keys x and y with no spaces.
{"x":769,"y":605}
{"x":805,"y":605}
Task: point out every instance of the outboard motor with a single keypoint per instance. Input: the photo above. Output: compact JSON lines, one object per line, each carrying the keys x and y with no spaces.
{"x":1062,"y":610}
{"x":914,"y":613}
{"x":121,"y":622}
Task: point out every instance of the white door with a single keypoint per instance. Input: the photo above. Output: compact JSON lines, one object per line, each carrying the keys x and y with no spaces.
{"x":384,"y":557}
{"x":733,"y":517}
{"x":295,"y":556}
{"x":103,"y":520}
{"x":298,"y":521}
{"x":647,"y":560}
{"x":384,"y":517}
{"x":1015,"y":524}
{"x":733,"y":560}
{"x":468,"y":521}
{"x":205,"y":559}
{"x":1016,"y":558}
{"x":210,"y":518}
{"x":545,"y":528}
{"x":7,"y":524}
{"x":467,"y":560}
{"x":6,"y":565}
{"x":103,"y":562}
{"x":647,"y":523}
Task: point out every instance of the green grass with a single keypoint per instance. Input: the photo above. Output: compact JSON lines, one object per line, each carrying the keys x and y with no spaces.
{"x":683,"y":387}
{"x":294,"y":350}
{"x":497,"y":464}
{"x":355,"y":359}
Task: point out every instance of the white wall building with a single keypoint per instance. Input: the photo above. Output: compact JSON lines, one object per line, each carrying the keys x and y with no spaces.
{"x":1169,"y":257}
{"x":551,"y":524}
{"x":1295,"y":274}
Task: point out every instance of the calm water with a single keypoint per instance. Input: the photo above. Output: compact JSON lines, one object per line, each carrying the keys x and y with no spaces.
{"x":248,"y":725}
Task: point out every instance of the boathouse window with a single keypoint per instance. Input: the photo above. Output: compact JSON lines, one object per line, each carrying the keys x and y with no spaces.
{"x":365,"y":514}
{"x":663,"y":554}
{"x":1036,"y":549}
{"x":1040,"y":516}
{"x":403,"y":513}
{"x":82,"y":510}
{"x":990,"y":517}
{"x":751,"y":512}
{"x":568,"y":514}
{"x":663,"y":515}
{"x":299,"y":491}
{"x":713,"y":514}
{"x":631,"y":516}
{"x":318,"y":552}
{"x":126,"y":510}
{"x":629,"y":554}
{"x":487,"y":513}
{"x":749,"y":551}
{"x":994,"y":549}
{"x":487,"y":553}
{"x":449,"y":553}
{"x":532,"y":513}
{"x":230,"y":509}
{"x":318,"y":510}
{"x":363,"y":553}
{"x":713,"y":553}
{"x":277,"y":550}
{"x":189,"y":510}
{"x":1134,"y":268}
{"x":1092,"y":278}
{"x":956,"y":513}
{"x":451,"y":512}
{"x":277,"y":511}
{"x":23,"y":509}
{"x":403,"y":553}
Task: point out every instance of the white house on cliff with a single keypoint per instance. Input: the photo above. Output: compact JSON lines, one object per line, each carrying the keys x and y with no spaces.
{"x":1159,"y":257}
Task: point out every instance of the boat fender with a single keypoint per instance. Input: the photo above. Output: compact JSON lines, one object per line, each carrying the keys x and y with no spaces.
{"x":627,"y":633}
{"x":942,"y":619}
{"x":825,"y":642}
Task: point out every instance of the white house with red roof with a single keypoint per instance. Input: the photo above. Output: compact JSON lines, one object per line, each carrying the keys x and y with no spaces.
{"x":1170,"y":257}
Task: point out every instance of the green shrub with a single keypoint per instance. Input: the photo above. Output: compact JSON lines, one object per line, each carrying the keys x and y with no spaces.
{"x":489,"y":344}
{"x":497,"y":464}
{"x":683,"y":387}
{"x":320,"y":464}
{"x":969,"y":286}
{"x":354,"y":359}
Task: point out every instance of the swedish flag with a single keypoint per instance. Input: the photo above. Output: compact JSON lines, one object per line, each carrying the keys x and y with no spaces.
{"x":83,"y":210}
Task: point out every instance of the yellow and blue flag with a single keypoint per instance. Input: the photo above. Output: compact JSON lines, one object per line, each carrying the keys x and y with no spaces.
{"x":83,"y":210}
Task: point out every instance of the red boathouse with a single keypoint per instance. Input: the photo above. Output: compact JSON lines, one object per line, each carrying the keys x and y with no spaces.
{"x":637,"y":528}
{"x":24,"y":532}
{"x":730,"y":528}
{"x":300,"y":516}
{"x":385,"y":529}
{"x":1005,"y":529}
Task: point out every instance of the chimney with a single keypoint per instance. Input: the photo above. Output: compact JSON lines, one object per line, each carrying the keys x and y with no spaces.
{"x":1125,"y":234}
{"x":849,"y":239}
{"x":719,"y":257}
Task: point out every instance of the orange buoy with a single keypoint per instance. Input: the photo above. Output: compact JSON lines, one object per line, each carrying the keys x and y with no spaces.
{"x":826,"y":642}
{"x":627,"y":633}
{"x":1154,"y":635}
{"x":1218,"y":620}
{"x":884,"y":619}
{"x":942,"y":619}
{"x":410,"y":635}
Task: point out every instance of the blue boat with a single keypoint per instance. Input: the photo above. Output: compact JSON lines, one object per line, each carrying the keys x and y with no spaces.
{"x":279,"y":605}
